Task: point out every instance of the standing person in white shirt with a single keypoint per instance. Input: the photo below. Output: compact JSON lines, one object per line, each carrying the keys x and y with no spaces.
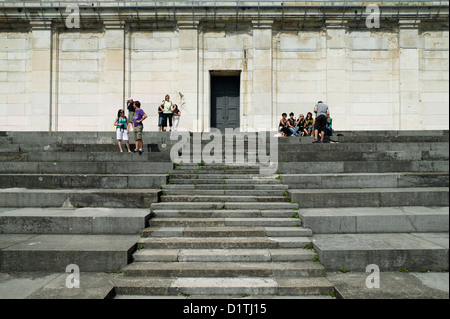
{"x":167,"y":113}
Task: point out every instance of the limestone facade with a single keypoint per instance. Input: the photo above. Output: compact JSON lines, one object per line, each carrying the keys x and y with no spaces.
{"x":372,"y":79}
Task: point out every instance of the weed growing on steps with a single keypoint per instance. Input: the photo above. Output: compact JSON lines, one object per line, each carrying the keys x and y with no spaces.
{"x":202,"y":163}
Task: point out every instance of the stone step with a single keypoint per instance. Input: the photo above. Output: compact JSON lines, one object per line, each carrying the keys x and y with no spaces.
{"x":224,"y":269}
{"x":192,"y":187}
{"x":389,"y":251}
{"x":222,"y":213}
{"x":85,"y":167}
{"x":166,"y":135}
{"x":326,"y":156}
{"x":286,"y":145}
{"x":386,"y":138}
{"x":201,"y":172}
{"x":216,"y":192}
{"x":339,"y":167}
{"x":220,"y":205}
{"x":203,"y":286}
{"x":73,"y":221}
{"x":370,"y":180}
{"x":371,"y":197}
{"x":113,"y":156}
{"x":103,"y":181}
{"x":376,"y":197}
{"x":6,"y":148}
{"x":53,"y":253}
{"x":218,"y":180}
{"x":376,"y":220}
{"x":226,"y":231}
{"x":221,"y":198}
{"x":223,"y":255}
{"x":78,"y":198}
{"x":217,"y":222}
{"x":223,"y":242}
{"x":222,"y":175}
{"x":217,"y":166}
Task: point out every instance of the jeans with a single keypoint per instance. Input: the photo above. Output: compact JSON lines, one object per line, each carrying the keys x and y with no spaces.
{"x":294,"y":131}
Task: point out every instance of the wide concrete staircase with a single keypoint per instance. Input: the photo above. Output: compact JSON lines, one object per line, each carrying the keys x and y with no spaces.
{"x":225,"y":231}
{"x":72,"y":198}
{"x":373,"y":198}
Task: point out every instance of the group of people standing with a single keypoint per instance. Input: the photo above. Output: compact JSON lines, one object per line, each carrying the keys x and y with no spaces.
{"x":308,"y":126}
{"x":122,"y":123}
{"x":167,"y":111}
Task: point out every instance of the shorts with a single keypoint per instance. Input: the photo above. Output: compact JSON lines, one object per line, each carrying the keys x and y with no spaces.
{"x":138,"y":132}
{"x":321,"y":122}
{"x":130,"y":117}
{"x":122,"y":135}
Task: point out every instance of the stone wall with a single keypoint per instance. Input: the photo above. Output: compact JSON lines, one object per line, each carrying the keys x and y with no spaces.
{"x":76,"y":80}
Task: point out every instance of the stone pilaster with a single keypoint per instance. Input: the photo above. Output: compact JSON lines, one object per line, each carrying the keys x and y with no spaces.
{"x":262,"y":97}
{"x":336,"y":84}
{"x":40,"y":113}
{"x":192,"y":113}
{"x":111,"y":88}
{"x":409,"y":73}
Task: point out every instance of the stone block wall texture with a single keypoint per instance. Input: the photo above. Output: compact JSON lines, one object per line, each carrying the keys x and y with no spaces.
{"x":372,"y":80}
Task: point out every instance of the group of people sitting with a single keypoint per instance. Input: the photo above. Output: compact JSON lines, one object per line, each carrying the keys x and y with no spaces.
{"x":308,"y":126}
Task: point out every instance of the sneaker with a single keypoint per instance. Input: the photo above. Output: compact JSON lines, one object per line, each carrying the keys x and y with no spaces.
{"x":141,"y":150}
{"x":316,"y":141}
{"x":136,"y":150}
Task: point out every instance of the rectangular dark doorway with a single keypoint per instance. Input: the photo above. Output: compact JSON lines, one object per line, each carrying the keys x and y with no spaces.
{"x":225,"y":105}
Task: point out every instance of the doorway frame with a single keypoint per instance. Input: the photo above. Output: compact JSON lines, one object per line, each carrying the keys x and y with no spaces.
{"x":218,"y":73}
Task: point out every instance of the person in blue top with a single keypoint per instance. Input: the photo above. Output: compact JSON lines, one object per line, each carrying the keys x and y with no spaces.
{"x":122,"y":130}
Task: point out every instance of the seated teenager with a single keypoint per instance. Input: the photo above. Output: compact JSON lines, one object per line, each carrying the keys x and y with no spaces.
{"x":292,"y":125}
{"x":283,"y":127}
{"x":328,"y":127}
{"x":301,"y":125}
{"x":309,"y":124}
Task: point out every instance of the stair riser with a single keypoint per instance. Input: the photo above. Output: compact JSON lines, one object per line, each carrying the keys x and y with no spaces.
{"x":249,"y":258}
{"x":225,"y":291}
{"x":207,"y":199}
{"x":225,"y":245}
{"x":85,"y":167}
{"x":49,"y":199}
{"x":243,"y":233}
{"x":225,"y":206}
{"x":81,"y":181}
{"x":362,"y":167}
{"x":365,"y":181}
{"x":224,"y":273}
{"x":266,"y":181}
{"x":373,"y":199}
{"x":228,"y":186}
{"x":288,"y":222}
{"x":224,"y":192}
{"x":224,"y":214}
